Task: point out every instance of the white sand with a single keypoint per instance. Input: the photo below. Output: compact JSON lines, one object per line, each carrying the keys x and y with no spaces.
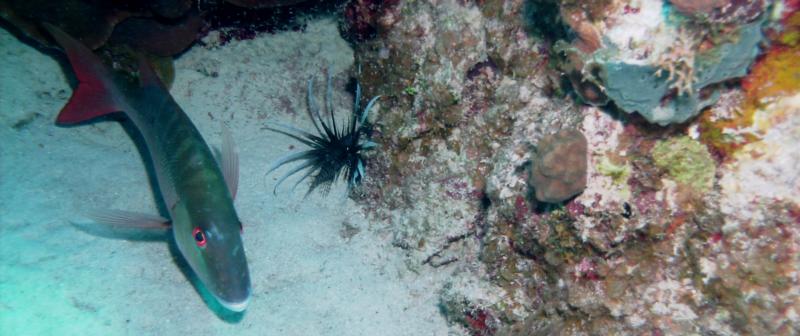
{"x":307,"y":278}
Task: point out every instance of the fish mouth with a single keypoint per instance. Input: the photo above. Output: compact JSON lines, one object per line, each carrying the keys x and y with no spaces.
{"x":238,"y":307}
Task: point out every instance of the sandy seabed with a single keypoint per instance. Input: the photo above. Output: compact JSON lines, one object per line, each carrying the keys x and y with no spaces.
{"x":318,"y":266}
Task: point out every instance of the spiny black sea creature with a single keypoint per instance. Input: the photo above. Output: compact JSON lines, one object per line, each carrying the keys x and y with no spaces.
{"x":334,"y":152}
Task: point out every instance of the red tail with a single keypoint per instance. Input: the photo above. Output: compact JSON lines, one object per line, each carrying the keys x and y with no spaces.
{"x":93,"y":97}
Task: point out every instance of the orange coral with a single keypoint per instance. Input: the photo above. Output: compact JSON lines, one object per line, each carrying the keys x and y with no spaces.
{"x":776,"y":74}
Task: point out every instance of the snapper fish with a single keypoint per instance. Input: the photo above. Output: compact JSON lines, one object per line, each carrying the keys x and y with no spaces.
{"x":198,"y":191}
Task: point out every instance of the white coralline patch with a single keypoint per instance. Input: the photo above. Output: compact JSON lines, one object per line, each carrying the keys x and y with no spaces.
{"x":765,"y":171}
{"x":708,"y":268}
{"x":524,"y":94}
{"x":728,"y":106}
{"x":478,"y":292}
{"x":636,"y":320}
{"x":443,"y":205}
{"x":669,"y":193}
{"x":602,"y":135}
{"x":506,"y":181}
{"x":504,"y":176}
{"x":664,"y":299}
{"x":602,"y":191}
{"x":639,"y":32}
{"x":791,"y":314}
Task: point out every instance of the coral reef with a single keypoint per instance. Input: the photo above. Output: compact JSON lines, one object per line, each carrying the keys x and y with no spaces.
{"x":689,"y":228}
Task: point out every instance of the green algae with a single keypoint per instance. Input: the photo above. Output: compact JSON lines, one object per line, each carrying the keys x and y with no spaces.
{"x":617,"y":172}
{"x":686,"y":161}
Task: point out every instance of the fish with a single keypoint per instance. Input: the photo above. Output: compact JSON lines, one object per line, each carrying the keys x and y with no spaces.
{"x":197,"y":189}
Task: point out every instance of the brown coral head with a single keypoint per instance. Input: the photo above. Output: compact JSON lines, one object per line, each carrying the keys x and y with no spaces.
{"x":559,"y":166}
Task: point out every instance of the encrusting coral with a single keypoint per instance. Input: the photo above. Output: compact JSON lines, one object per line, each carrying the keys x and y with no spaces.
{"x":686,"y":161}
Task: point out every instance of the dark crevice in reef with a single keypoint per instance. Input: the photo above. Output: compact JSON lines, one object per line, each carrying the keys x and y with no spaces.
{"x":542,"y":18}
{"x":238,"y":23}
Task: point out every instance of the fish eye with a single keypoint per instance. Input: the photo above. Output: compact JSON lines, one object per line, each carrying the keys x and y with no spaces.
{"x":199,"y":237}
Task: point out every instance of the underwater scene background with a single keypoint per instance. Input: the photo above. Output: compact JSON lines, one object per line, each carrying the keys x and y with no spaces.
{"x":405,"y":167}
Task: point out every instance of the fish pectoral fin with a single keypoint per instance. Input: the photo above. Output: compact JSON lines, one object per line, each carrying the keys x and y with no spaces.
{"x":128,"y":219}
{"x":229,"y":161}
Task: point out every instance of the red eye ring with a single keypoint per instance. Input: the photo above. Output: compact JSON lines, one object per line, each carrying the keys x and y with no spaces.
{"x":199,"y":237}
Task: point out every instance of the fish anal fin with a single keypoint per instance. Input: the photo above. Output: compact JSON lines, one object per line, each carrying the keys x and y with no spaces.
{"x":128,"y":219}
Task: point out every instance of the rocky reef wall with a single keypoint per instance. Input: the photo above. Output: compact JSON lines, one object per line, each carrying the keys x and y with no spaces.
{"x":689,"y":218}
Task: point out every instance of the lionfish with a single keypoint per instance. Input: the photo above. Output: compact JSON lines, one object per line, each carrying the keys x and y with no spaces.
{"x":334,"y":152}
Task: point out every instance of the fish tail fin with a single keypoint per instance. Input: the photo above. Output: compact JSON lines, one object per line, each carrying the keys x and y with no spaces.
{"x":93,"y":97}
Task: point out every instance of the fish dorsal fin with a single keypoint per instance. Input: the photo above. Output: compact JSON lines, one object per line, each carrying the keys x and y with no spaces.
{"x":94,"y":95}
